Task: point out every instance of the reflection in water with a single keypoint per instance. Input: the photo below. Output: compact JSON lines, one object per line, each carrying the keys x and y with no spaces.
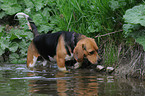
{"x":17,"y":80}
{"x":77,"y":85}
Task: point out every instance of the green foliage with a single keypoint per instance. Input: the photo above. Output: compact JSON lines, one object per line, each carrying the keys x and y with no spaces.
{"x":10,"y":6}
{"x":89,"y":17}
{"x":16,"y":42}
{"x":135,"y":23}
{"x":110,"y":54}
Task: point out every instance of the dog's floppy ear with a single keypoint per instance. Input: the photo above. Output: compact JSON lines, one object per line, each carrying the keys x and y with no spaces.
{"x":79,"y":52}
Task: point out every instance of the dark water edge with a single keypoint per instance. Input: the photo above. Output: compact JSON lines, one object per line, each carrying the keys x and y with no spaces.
{"x":17,"y":80}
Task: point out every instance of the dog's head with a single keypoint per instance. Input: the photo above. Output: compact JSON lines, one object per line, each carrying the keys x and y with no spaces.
{"x":87,"y":48}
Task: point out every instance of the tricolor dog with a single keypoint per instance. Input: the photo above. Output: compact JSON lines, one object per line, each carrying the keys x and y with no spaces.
{"x":61,"y":46}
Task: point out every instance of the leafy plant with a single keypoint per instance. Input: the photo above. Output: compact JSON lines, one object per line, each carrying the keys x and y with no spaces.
{"x":89,"y":17}
{"x":135,"y":23}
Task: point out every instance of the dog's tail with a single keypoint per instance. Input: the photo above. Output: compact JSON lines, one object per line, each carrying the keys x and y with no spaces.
{"x":30,"y":23}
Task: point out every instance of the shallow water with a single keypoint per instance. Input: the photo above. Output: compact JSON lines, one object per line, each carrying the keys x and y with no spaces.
{"x":17,"y":80}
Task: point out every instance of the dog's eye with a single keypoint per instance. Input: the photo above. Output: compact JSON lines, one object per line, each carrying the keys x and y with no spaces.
{"x":92,"y":52}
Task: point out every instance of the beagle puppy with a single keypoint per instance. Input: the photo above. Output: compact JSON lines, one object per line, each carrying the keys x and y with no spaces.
{"x":60,"y":46}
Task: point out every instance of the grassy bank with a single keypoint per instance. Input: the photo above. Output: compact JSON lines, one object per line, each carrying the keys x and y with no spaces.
{"x":89,"y":17}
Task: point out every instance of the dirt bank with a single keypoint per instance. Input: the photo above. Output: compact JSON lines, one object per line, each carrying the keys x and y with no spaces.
{"x":132,"y":63}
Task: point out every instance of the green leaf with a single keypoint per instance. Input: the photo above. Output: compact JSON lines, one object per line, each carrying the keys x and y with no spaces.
{"x":128,"y":28}
{"x":44,"y":28}
{"x":18,"y":34}
{"x":9,"y":2}
{"x":23,"y":46}
{"x":30,"y":4}
{"x":13,"y":46}
{"x":38,"y":19}
{"x":135,"y":19}
{"x":1,"y":51}
{"x":2,"y":14}
{"x":4,"y":43}
{"x":114,"y":4}
{"x":14,"y":58}
{"x":11,"y":9}
{"x":141,"y":40}
{"x":38,"y":4}
{"x":1,"y":28}
{"x":139,"y":37}
{"x":136,"y":15}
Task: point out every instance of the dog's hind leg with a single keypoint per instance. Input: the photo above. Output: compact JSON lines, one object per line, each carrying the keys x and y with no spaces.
{"x":32,"y":55}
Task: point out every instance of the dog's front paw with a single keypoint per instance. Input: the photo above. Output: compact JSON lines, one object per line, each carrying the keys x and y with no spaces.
{"x":77,"y":65}
{"x":62,"y":69}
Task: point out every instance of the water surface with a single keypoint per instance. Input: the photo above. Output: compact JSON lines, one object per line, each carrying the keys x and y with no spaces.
{"x":17,"y":80}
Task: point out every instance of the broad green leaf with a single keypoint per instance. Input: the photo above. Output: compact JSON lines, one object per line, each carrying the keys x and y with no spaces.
{"x":23,"y":51}
{"x":1,"y":28}
{"x":38,"y":19}
{"x":1,"y":51}
{"x":135,"y":19}
{"x":18,"y":34}
{"x":23,"y":44}
{"x":128,"y":28}
{"x":9,"y":2}
{"x":24,"y":47}
{"x":21,"y":61}
{"x":13,"y":46}
{"x":136,"y":15}
{"x":28,"y":10}
{"x":114,"y":4}
{"x":2,"y":14}
{"x":139,"y":36}
{"x":38,"y":4}
{"x":15,"y":34}
{"x":13,"y":56}
{"x":30,"y":4}
{"x":11,"y":9}
{"x":141,"y":40}
{"x":44,"y":28}
{"x":29,"y":36}
{"x":4,"y":43}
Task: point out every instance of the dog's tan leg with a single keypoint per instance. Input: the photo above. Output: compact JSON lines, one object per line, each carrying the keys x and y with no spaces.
{"x":60,"y":54}
{"x":32,"y":55}
{"x":61,"y":64}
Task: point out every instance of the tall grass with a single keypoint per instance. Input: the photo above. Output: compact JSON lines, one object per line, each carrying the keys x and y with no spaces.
{"x":91,"y":16}
{"x":82,"y":15}
{"x":110,"y":54}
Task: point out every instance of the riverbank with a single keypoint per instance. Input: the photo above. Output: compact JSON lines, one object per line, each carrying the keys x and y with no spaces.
{"x":132,"y":63}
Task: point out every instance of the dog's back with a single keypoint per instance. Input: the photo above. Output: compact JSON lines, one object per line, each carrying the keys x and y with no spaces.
{"x":47,"y":43}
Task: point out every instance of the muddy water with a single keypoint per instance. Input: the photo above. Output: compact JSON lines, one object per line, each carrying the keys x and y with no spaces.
{"x":17,"y":80}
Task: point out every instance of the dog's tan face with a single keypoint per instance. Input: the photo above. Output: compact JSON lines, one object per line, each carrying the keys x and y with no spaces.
{"x":88,"y":48}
